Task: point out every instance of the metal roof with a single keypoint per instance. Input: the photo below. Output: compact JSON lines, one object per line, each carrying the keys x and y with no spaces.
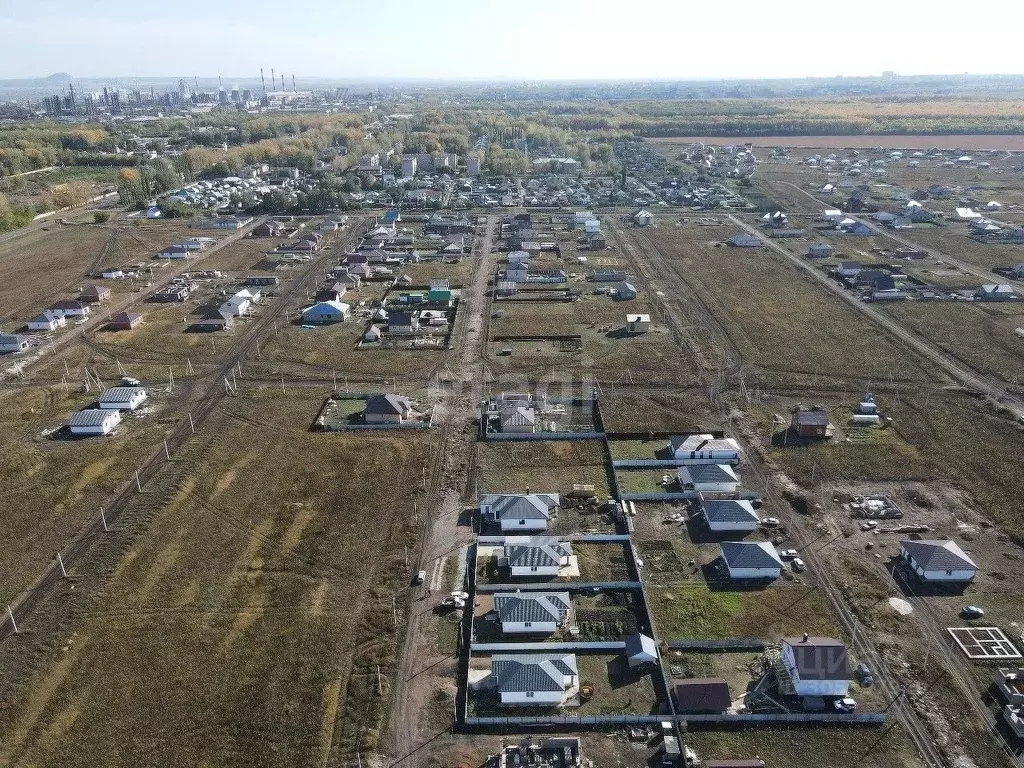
{"x":815,"y":418}
{"x":121,"y":394}
{"x":540,"y":553}
{"x":701,"y":694}
{"x":937,"y":555}
{"x":750,"y":554}
{"x":641,"y":645}
{"x":388,"y":405}
{"x":523,"y":673}
{"x":93,"y":417}
{"x":707,"y":473}
{"x":531,"y":506}
{"x":729,"y":511}
{"x":532,"y":606}
{"x":819,"y":658}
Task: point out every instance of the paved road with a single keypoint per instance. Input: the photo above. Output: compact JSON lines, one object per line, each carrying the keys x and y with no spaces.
{"x":965,"y":376}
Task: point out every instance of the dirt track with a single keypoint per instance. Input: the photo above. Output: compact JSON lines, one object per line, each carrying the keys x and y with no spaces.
{"x":1009,"y":142}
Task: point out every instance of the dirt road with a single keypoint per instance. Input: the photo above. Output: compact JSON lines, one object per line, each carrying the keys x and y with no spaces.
{"x":444,"y":537}
{"x":966,"y":377}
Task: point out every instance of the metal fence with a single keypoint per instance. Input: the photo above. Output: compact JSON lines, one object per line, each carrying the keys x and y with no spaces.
{"x":512,"y":436}
{"x":732,"y":644}
{"x":582,"y":645}
{"x":570,"y":586}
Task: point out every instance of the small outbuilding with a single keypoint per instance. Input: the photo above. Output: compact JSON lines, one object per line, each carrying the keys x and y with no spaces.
{"x":123,"y":398}
{"x":701,"y":695}
{"x":640,"y":650}
{"x":94,"y":421}
{"x":811,"y":422}
{"x":12,"y":342}
{"x":637,"y":324}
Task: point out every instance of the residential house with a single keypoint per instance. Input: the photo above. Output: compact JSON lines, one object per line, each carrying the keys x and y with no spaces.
{"x":123,"y":398}
{"x":95,"y":294}
{"x":213,"y":321}
{"x":814,"y":666}
{"x":596,"y":241}
{"x":124,"y":321}
{"x":608,"y":276}
{"x":1018,"y":271}
{"x":94,"y":421}
{"x":174,"y":252}
{"x":12,"y":342}
{"x":625,"y":291}
{"x":333,"y":292}
{"x":535,"y":680}
{"x":704,"y":449}
{"x":820,"y":250}
{"x":701,"y":695}
{"x":810,"y":422}
{"x":849,"y":269}
{"x":745,"y":241}
{"x":707,"y":477}
{"x":729,"y":515}
{"x":403,"y":322}
{"x":527,"y":556}
{"x":938,"y":560}
{"x":238,"y":305}
{"x":535,"y":613}
{"x":325,"y":312}
{"x":519,"y":511}
{"x":373,"y":334}
{"x":751,"y":560}
{"x":170,"y":294}
{"x":269,"y":228}
{"x":388,"y":409}
{"x":70,"y":308}
{"x":46,"y":321}
{"x":518,"y":418}
{"x":857,"y":228}
{"x":643,"y":218}
{"x":993,"y":292}
{"x":638,"y":323}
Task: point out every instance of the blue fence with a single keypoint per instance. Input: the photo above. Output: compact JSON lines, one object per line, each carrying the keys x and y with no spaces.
{"x":645,"y":463}
{"x":581,"y":721}
{"x":510,"y":436}
{"x":582,"y":645}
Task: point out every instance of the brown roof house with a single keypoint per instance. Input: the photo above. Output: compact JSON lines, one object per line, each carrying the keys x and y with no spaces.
{"x":95,"y":294}
{"x":812,"y":422}
{"x":123,"y":321}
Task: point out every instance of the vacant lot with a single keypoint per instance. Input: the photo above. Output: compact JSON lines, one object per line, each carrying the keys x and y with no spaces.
{"x":864,"y":141}
{"x":252,"y":559}
{"x":542,"y":467}
{"x":682,"y":411}
{"x":53,"y":486}
{"x":776,"y":319}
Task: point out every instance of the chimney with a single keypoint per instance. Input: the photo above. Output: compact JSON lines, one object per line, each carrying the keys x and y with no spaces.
{"x":805,"y":637}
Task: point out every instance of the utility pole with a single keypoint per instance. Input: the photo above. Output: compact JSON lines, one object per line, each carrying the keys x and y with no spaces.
{"x":138,"y":483}
{"x":63,"y":570}
{"x":103,"y":519}
{"x":191,"y":424}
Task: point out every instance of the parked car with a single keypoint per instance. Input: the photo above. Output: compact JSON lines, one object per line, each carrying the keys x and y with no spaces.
{"x":771,"y":522}
{"x":972,"y":612}
{"x":845,"y":704}
{"x":420,"y":577}
{"x":788,"y":554}
{"x":864,"y":675}
{"x":798,"y":565}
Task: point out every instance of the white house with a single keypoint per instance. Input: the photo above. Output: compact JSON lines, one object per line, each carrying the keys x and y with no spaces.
{"x":707,"y":477}
{"x":937,"y":560}
{"x":238,"y":305}
{"x":175,"y":252}
{"x":123,"y":398}
{"x":536,"y":555}
{"x":520,"y":511}
{"x":815,"y":666}
{"x":1010,"y":683}
{"x":538,"y":613}
{"x":388,"y":409}
{"x":326,"y":312}
{"x":751,"y":560}
{"x":729,"y":515}
{"x":95,"y":421}
{"x":12,"y":342}
{"x":69,"y":308}
{"x":518,"y":418}
{"x":704,"y":449}
{"x":535,"y":679}
{"x":46,"y":321}
{"x":643,"y":218}
{"x":638,"y":323}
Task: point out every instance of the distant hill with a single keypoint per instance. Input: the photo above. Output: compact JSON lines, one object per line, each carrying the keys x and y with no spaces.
{"x":58,"y":77}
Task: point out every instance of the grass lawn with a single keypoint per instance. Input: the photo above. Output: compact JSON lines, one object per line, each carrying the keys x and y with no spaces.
{"x":543,"y":467}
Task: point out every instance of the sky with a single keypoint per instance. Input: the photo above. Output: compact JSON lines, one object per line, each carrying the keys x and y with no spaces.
{"x":516,"y":40}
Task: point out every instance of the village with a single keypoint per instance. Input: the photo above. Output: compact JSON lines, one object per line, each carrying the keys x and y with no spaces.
{"x":649,"y":468}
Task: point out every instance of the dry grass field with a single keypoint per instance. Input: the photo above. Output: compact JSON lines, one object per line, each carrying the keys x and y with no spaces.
{"x":53,"y":486}
{"x":243,"y":625}
{"x":776,"y":319}
{"x":543,"y":467}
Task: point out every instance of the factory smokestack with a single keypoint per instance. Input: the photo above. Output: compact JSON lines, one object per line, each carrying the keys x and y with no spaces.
{"x":264,"y":81}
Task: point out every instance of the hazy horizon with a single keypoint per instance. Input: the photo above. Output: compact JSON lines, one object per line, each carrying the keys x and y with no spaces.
{"x":462,"y":41}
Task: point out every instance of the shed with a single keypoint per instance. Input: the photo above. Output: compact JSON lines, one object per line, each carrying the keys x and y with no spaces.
{"x":625,"y":291}
{"x":638,"y":323}
{"x":813,"y":422}
{"x":745,"y":241}
{"x":12,"y":342}
{"x":95,"y":294}
{"x":640,"y":650}
{"x":706,"y":695}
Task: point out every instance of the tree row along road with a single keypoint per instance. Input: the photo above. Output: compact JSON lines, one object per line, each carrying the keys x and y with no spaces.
{"x":203,"y":407}
{"x":967,"y":377}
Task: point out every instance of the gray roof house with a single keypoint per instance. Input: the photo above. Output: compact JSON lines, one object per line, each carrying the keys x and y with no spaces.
{"x":938,"y":560}
{"x":707,"y":477}
{"x":751,"y":560}
{"x":519,"y":511}
{"x":532,"y":612}
{"x":744,"y":241}
{"x":729,"y":514}
{"x":641,"y":649}
{"x":535,"y":679}
{"x":536,"y":556}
